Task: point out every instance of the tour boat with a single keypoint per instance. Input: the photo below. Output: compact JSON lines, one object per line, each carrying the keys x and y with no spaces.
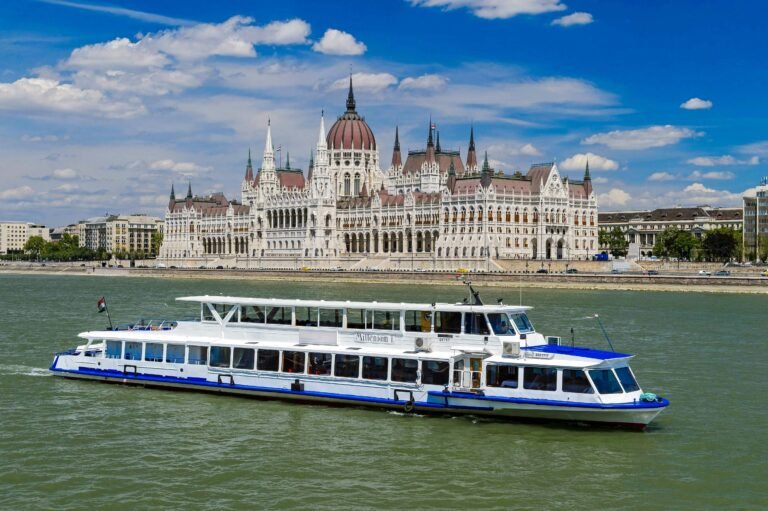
{"x":464,"y":358}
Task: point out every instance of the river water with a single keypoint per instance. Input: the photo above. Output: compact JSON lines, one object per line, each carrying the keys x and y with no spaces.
{"x":83,"y":445}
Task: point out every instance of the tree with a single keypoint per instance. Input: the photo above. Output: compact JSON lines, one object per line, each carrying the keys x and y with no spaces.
{"x":673,"y":242}
{"x":720,"y":244}
{"x":617,"y":243}
{"x":35,"y":246}
{"x":763,"y":248}
{"x":157,"y":241}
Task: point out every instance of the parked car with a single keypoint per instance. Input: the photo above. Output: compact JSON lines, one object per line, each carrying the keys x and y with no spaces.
{"x":652,"y":272}
{"x":572,"y":270}
{"x":542,"y":270}
{"x":705,"y":272}
{"x":723,"y":273}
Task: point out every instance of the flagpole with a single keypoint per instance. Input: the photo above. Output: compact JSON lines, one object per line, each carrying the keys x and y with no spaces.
{"x":106,"y":308}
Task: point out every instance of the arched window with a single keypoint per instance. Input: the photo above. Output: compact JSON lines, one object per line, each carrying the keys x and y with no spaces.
{"x":357,"y":184}
{"x":346,"y":184}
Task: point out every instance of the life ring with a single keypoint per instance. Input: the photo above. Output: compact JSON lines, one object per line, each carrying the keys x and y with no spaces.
{"x":408,"y":406}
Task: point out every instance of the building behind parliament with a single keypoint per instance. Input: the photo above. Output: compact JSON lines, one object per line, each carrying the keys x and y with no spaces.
{"x":431,"y":209}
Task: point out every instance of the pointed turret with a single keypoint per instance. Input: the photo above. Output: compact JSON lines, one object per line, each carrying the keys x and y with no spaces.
{"x":311,"y":166}
{"x":321,"y":136}
{"x":486,"y":166}
{"x":437,"y":144}
{"x":189,"y":191}
{"x":587,"y":180}
{"x":487,"y":174}
{"x":350,"y":97}
{"x":173,"y":193}
{"x":471,"y":154}
{"x":268,"y":160}
{"x":451,"y":183}
{"x":430,"y":158}
{"x":397,"y":160}
{"x":249,"y":168}
{"x":287,"y":161}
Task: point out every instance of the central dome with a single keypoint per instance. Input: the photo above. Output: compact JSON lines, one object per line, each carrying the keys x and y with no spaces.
{"x":350,"y":131}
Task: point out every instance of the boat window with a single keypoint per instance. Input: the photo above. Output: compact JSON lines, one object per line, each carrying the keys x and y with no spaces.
{"x":220,"y":356}
{"x":132,"y":350}
{"x":222,"y":308}
{"x":347,"y":366}
{"x":252,"y":314}
{"x":502,"y":375}
{"x":306,"y":316}
{"x":198,"y":355}
{"x":540,"y":378}
{"x":605,"y":381}
{"x":501,"y":324}
{"x":267,"y":360}
{"x":522,"y":322}
{"x":386,"y":320}
{"x":574,"y":380}
{"x":279,"y":315}
{"x":320,"y":363}
{"x":114,"y":349}
{"x":474,"y":323}
{"x":153,"y":352}
{"x":174,"y":354}
{"x":404,"y":369}
{"x":293,"y":361}
{"x":207,"y":314}
{"x":448,"y":322}
{"x":331,"y":317}
{"x":244,"y":358}
{"x":418,"y":321}
{"x":434,"y":372}
{"x":627,"y":380}
{"x":356,"y":318}
{"x":375,"y":368}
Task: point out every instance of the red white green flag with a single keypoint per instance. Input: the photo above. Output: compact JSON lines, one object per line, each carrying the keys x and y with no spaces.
{"x":101,"y":304}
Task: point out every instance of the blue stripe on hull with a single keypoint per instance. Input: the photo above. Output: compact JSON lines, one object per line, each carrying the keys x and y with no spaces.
{"x":639,"y":405}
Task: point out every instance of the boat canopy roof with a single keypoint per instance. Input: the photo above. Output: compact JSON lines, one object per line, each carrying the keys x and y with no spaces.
{"x":278,"y":302}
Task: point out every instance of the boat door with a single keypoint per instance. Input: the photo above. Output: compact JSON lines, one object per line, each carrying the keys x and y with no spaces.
{"x":468,"y":372}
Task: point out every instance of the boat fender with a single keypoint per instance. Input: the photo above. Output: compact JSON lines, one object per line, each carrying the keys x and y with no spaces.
{"x":649,"y":397}
{"x":408,"y":406}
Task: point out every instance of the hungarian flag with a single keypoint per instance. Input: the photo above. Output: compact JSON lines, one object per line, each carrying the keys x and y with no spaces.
{"x":101,"y":304}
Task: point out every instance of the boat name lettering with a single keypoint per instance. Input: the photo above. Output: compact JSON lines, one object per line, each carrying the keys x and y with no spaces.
{"x":373,"y":338}
{"x":538,"y":354}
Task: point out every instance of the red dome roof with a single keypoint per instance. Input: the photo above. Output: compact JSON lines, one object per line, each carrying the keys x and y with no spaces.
{"x":350,"y":130}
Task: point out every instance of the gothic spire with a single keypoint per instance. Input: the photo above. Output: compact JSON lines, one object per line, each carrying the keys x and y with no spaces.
{"x":429,"y":138}
{"x":471,"y":154}
{"x":587,"y":177}
{"x":249,"y":168}
{"x":350,"y":96}
{"x":173,"y":193}
{"x":430,"y":156}
{"x":587,"y":180}
{"x":287,"y":160}
{"x":311,"y":169}
{"x":486,"y":166}
{"x":321,"y":136}
{"x":189,"y":191}
{"x":397,"y":160}
{"x":437,"y":145}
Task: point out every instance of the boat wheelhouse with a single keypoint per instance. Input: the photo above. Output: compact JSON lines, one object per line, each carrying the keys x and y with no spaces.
{"x":435,"y":358}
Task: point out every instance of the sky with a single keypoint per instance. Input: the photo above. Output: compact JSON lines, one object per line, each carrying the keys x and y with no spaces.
{"x":105,"y":106}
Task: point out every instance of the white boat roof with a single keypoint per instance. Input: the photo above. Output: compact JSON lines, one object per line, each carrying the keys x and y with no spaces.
{"x":330,"y":304}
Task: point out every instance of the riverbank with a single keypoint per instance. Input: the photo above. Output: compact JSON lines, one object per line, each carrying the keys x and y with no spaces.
{"x":584,"y":281}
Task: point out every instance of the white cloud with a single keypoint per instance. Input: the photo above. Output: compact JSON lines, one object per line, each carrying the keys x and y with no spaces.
{"x":577,"y":18}
{"x":697,"y":104}
{"x":66,"y":188}
{"x":64,"y":174}
{"x":529,"y":150}
{"x":181,"y":167}
{"x":42,"y":138}
{"x":336,"y":42}
{"x":371,"y":81}
{"x":596,"y":162}
{"x":600,"y":180}
{"x":644,"y":138}
{"x":759,"y":148}
{"x":293,"y":31}
{"x":120,"y":11}
{"x":22,"y":192}
{"x":49,"y":95}
{"x":698,"y":188}
{"x":722,"y":176}
{"x":614,"y":197}
{"x":154,"y":82}
{"x":116,"y":54}
{"x":495,"y":9}
{"x":661,"y":176}
{"x":427,"y":81}
{"x":712,"y":161}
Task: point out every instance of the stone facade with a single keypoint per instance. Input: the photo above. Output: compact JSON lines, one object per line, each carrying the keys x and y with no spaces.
{"x":756,"y":221}
{"x":432,"y":209}
{"x":14,"y":235}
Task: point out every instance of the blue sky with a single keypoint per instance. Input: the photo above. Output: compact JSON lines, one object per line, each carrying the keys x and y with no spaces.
{"x":105,"y":105}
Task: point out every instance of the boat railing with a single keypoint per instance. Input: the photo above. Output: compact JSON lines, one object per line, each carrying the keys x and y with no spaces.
{"x":467,"y":379}
{"x":148,"y":324}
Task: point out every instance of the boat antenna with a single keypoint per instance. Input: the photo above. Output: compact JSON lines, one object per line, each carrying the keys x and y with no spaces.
{"x":604,"y":332}
{"x":573,"y":338}
{"x":472,"y":293}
